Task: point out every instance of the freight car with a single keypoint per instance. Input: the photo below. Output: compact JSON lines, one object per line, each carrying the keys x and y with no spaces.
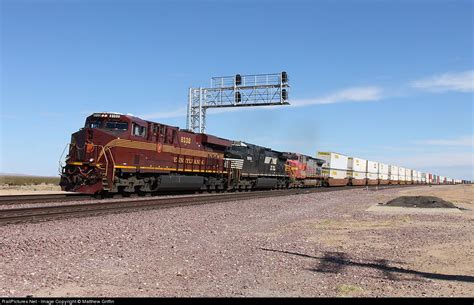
{"x":116,"y":153}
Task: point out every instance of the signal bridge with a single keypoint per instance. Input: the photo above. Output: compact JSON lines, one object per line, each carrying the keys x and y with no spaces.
{"x":236,"y":91}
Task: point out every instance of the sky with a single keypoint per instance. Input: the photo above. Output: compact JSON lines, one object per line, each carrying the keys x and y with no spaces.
{"x":389,"y":81}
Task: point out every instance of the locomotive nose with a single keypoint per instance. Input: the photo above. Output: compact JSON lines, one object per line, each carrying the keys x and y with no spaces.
{"x":78,"y":149}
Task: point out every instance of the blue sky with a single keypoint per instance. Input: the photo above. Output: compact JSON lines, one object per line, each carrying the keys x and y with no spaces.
{"x":387,"y":81}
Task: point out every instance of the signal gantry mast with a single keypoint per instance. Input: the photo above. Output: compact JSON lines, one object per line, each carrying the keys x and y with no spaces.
{"x":236,"y":91}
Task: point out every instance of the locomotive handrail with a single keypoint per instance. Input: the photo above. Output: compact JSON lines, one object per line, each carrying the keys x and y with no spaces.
{"x":104,"y":150}
{"x":61,"y":157}
{"x":103,"y":153}
{"x":113,"y":162}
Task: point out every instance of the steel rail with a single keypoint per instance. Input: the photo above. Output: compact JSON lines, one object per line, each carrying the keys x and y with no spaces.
{"x":37,"y":198}
{"x":50,"y":198}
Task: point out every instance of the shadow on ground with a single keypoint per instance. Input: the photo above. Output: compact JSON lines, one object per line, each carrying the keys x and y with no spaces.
{"x":335,"y":262}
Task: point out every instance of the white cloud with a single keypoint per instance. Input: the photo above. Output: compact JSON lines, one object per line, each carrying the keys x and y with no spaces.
{"x":354,"y":94}
{"x":461,"y":82}
{"x":459,"y":141}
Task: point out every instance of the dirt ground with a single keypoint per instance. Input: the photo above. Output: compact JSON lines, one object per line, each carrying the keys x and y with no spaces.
{"x":460,"y":195}
{"x":320,"y":244}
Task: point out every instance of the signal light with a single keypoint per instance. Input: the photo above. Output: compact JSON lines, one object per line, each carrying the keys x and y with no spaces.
{"x":238,"y":97}
{"x":284,"y":77}
{"x":238,"y":80}
{"x":284,"y":94}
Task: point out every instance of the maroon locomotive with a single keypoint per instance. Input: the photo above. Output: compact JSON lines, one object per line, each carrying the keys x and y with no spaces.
{"x":117,"y":153}
{"x":122,"y":153}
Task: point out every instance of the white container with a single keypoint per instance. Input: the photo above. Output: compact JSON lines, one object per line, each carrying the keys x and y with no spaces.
{"x":356,"y":164}
{"x":335,"y":165}
{"x":408,"y":173}
{"x":334,"y":173}
{"x":333,"y":160}
{"x":372,"y":167}
{"x":401,"y":173}
{"x":383,"y":168}
{"x":414,"y":175}
{"x":372,"y":176}
{"x":393,"y":172}
{"x":356,"y":168}
{"x":356,"y":175}
{"x":383,"y":171}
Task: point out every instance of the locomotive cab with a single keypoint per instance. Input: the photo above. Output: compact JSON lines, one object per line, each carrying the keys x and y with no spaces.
{"x":109,"y":122}
{"x":87,"y":157}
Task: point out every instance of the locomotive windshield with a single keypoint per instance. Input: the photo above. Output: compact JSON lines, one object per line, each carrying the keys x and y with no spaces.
{"x":104,"y":124}
{"x":116,"y":125}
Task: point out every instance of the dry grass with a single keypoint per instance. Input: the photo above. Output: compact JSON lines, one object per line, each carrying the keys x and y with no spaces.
{"x":27,"y":180}
{"x":348,"y":290}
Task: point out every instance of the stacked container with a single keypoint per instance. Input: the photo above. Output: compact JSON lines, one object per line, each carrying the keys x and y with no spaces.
{"x":401,"y":175}
{"x":356,"y":171}
{"x":408,"y":176}
{"x":372,"y":172}
{"x":334,"y":168}
{"x":383,"y":173}
{"x":393,"y":174}
{"x":415,"y":177}
{"x":341,"y":170}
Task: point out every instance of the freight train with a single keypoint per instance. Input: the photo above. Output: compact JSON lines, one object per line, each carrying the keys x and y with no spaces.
{"x":123,"y":154}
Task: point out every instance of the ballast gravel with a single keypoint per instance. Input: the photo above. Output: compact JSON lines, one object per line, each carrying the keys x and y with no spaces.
{"x":318,"y":244}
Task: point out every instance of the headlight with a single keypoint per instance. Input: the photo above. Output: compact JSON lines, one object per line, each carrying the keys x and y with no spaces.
{"x":91,"y":160}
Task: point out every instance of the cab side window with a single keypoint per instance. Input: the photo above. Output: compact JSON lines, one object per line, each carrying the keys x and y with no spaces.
{"x":155,"y":129}
{"x":138,"y":131}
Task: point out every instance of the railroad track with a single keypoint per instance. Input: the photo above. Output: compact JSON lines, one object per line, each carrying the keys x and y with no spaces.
{"x":45,"y":213}
{"x":19,"y":199}
{"x":50,"y":198}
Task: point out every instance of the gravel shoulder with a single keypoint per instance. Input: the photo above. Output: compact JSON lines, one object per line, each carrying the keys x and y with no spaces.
{"x":319,"y":244}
